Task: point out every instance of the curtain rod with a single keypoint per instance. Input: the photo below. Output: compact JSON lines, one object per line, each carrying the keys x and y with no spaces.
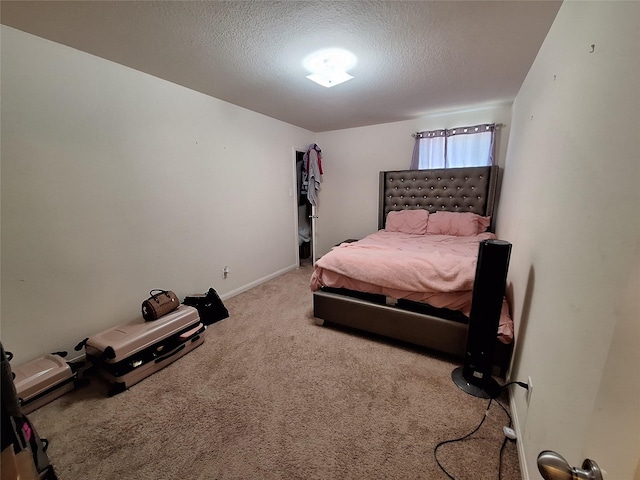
{"x":496,"y":125}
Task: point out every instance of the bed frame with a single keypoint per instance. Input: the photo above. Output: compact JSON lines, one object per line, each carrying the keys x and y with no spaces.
{"x":469,"y":189}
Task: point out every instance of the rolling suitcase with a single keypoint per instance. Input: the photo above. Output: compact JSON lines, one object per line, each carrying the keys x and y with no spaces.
{"x":42,"y":380}
{"x":129,"y":353}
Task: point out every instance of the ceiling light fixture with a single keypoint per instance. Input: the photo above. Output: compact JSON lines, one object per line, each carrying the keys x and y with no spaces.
{"x":329,"y":67}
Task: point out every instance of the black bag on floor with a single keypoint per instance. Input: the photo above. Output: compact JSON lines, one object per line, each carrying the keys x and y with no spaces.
{"x":209,"y":306}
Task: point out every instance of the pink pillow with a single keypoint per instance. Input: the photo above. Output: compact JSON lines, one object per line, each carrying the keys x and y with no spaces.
{"x":407,"y":221}
{"x":461,"y":224}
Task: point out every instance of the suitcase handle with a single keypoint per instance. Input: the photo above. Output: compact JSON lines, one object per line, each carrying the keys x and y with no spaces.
{"x":160,"y":359}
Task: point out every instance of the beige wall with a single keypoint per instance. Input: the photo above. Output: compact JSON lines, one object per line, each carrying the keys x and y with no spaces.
{"x":569,"y":204}
{"x":348,"y":199}
{"x":115,"y":182}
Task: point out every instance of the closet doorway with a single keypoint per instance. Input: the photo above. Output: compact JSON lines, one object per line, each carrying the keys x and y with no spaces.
{"x":306,"y":212}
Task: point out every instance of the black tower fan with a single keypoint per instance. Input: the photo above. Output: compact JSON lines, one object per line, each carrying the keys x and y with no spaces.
{"x":474,"y":377}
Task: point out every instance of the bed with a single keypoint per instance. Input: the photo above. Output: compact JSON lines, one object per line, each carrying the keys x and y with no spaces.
{"x":412,"y":280}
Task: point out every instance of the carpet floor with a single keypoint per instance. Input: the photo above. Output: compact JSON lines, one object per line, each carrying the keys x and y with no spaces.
{"x":271,"y":395}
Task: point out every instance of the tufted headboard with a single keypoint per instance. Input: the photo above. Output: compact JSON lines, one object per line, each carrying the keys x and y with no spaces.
{"x":467,"y":189}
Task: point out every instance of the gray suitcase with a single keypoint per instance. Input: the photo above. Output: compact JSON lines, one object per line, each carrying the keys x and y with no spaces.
{"x":129,"y":353}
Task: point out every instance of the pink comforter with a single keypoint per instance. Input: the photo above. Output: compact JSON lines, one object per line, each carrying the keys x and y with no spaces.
{"x":435,"y":269}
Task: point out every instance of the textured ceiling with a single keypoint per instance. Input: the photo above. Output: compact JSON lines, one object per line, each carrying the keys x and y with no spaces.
{"x":413,"y":57}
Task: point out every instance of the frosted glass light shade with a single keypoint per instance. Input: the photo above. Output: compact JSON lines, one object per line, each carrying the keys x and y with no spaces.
{"x":329,"y":67}
{"x":329,"y":78}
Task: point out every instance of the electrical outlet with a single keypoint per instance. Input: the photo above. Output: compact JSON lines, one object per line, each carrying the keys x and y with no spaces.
{"x":225,"y":272}
{"x":529,"y":389}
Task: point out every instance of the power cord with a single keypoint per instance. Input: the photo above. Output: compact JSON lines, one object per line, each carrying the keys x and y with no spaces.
{"x":435,"y":450}
{"x":506,"y":439}
{"x":484,"y":417}
{"x":504,"y":442}
{"x":520,"y":384}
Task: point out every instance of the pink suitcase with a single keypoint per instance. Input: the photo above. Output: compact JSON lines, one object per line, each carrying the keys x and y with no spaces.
{"x":129,"y":353}
{"x":42,"y":380}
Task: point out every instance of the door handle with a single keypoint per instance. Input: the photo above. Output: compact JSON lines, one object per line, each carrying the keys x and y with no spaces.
{"x":553,"y":467}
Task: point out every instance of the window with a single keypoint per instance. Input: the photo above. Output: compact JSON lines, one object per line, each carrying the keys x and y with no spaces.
{"x":456,"y":147}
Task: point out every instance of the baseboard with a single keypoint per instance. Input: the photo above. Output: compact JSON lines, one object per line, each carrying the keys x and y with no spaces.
{"x":516,"y":427}
{"x":255,"y":283}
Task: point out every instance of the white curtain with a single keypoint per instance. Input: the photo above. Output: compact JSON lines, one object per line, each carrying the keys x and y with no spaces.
{"x":457,"y":147}
{"x":429,"y":150}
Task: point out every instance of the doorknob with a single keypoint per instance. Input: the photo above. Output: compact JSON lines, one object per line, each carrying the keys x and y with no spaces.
{"x":553,"y":467}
